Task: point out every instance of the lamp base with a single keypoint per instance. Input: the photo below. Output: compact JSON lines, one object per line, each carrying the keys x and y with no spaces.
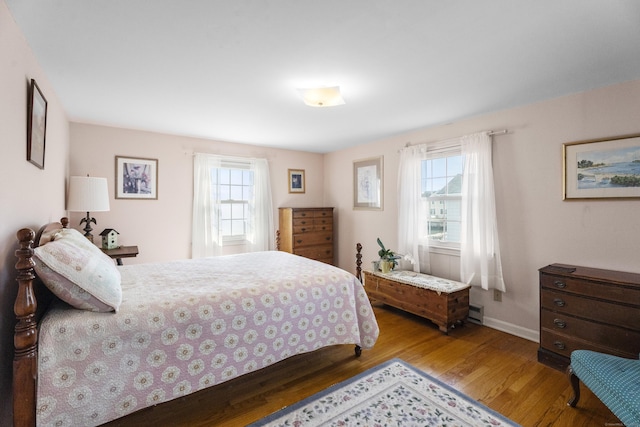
{"x":87,"y":226}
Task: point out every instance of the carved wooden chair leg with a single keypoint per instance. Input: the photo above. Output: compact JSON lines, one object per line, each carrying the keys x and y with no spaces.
{"x":358,"y":350}
{"x":575,"y":385}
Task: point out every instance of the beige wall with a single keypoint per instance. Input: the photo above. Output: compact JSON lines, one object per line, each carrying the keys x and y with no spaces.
{"x":536,"y":227}
{"x":29,"y":196}
{"x":162,"y":228}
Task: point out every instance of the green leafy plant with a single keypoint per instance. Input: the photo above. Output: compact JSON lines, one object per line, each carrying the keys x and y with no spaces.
{"x":387,"y":254}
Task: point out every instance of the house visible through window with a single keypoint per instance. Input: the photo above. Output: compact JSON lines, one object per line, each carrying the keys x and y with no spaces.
{"x":441,"y":188}
{"x":232,"y":188}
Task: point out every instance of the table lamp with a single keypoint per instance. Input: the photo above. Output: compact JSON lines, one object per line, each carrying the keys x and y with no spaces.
{"x":88,"y":194}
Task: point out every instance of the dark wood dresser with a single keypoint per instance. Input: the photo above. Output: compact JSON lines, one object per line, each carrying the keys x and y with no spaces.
{"x":307,"y":232}
{"x":590,"y":309}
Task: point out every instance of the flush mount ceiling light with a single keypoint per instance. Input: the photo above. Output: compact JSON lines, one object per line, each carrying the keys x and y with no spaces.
{"x":322,"y":96}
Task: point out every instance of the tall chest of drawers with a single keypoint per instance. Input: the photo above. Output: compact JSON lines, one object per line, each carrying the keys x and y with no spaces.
{"x":590,"y":309}
{"x":307,"y":232}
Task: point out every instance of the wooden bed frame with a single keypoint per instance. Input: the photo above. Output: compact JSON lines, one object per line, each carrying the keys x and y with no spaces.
{"x":28,"y":315}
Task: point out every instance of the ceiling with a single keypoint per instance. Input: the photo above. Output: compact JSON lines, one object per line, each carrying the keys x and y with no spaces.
{"x":229,"y":69}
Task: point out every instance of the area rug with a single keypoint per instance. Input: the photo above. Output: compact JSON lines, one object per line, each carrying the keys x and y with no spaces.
{"x":391,"y":394}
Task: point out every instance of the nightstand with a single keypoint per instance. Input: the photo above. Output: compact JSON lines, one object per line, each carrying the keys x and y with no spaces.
{"x":122,"y":252}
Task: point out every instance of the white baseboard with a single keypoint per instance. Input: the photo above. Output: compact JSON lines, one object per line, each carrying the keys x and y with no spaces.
{"x":519,"y":331}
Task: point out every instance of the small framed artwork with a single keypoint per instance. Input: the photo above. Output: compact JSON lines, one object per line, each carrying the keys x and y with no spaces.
{"x":602,"y":168}
{"x":36,"y":125}
{"x":136,"y":178}
{"x":296,"y":181}
{"x":368,"y":184}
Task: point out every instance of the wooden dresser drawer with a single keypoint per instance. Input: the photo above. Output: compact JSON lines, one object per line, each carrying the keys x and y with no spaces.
{"x":318,"y":252}
{"x":604,"y":311}
{"x":611,"y":292}
{"x":312,"y":238}
{"x":625,"y":341}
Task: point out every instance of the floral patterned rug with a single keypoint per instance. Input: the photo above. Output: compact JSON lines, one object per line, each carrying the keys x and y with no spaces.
{"x":391,"y":394}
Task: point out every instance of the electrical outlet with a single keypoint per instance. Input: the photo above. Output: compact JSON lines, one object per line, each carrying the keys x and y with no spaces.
{"x":497,"y":295}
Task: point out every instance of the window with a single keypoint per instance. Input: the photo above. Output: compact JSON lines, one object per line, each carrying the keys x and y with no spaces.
{"x":233,"y":189}
{"x":232,"y":208}
{"x":441,"y":188}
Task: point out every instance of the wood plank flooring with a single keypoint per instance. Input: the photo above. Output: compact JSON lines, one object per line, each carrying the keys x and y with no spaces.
{"x":495,"y":368}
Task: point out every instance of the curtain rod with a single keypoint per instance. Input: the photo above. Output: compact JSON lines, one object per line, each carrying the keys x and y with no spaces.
{"x":488,"y":132}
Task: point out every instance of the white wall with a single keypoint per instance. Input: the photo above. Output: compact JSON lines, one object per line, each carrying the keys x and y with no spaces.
{"x":536,"y":226}
{"x":162,"y":228}
{"x":29,"y":197}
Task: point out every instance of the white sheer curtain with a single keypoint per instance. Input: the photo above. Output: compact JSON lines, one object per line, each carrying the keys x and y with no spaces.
{"x":261,"y":231}
{"x":480,"y":262}
{"x":206,"y":234}
{"x":412,"y":208}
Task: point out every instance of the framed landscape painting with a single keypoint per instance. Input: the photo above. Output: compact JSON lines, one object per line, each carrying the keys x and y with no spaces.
{"x":136,"y":178}
{"x":602,"y":169}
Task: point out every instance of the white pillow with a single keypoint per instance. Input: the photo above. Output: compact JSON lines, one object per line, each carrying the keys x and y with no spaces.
{"x":78,"y":272}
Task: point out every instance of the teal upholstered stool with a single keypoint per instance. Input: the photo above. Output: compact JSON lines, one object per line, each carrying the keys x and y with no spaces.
{"x":615,"y":380}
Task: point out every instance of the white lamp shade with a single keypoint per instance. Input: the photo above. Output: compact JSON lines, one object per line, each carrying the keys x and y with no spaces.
{"x":322,"y":96}
{"x":88,"y":194}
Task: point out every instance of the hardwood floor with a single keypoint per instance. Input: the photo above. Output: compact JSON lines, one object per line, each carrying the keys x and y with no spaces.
{"x":495,"y":368}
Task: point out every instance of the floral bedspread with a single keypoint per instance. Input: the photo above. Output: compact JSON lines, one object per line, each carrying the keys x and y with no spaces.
{"x":190,"y":324}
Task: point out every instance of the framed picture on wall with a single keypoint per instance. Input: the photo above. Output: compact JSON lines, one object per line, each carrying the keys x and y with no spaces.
{"x":136,"y":178}
{"x":368,"y":184}
{"x":602,"y":168}
{"x":296,"y":181}
{"x":36,"y":125}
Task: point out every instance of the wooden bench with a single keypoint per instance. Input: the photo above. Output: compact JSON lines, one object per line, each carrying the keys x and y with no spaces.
{"x":444,"y":302}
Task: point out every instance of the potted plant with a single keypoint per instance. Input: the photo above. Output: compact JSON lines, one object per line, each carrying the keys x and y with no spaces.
{"x":388,"y":259}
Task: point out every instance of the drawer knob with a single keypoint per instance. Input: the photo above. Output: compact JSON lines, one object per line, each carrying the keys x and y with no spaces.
{"x":299,"y":241}
{"x":558,"y":302}
{"x":303,"y":229}
{"x":559,"y":345}
{"x":560,"y":323}
{"x":327,"y":238}
{"x":560,"y":284}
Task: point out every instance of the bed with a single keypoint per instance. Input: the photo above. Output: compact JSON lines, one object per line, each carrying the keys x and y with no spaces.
{"x":104,"y":350}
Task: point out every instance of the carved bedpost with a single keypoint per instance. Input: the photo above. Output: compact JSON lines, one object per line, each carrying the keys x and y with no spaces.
{"x":25,"y":339}
{"x":359,"y":261}
{"x":277,"y":240}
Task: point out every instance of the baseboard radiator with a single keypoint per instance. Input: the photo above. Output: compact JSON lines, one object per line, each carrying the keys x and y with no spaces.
{"x":476,"y":314}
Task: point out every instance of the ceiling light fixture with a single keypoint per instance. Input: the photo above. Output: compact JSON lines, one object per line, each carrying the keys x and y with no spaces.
{"x":322,"y":96}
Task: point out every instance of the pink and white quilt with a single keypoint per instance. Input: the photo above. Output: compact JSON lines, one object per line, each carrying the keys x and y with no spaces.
{"x":190,"y":324}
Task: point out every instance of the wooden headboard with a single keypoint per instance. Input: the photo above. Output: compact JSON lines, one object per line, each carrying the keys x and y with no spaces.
{"x":25,"y":339}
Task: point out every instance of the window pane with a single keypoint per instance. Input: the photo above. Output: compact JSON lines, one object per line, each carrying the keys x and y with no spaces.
{"x":225,"y":227}
{"x":454,"y":165}
{"x":247,"y":193}
{"x":237,"y":210}
{"x":237,"y":227}
{"x":224,"y":176}
{"x":247,"y":177}
{"x":224,"y":192}
{"x":236,"y":176}
{"x":225,"y":211}
{"x":235,"y":192}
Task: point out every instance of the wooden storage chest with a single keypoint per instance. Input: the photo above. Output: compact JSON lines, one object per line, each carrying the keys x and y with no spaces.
{"x":445,"y":302}
{"x":307,"y":232}
{"x":590,"y":309}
